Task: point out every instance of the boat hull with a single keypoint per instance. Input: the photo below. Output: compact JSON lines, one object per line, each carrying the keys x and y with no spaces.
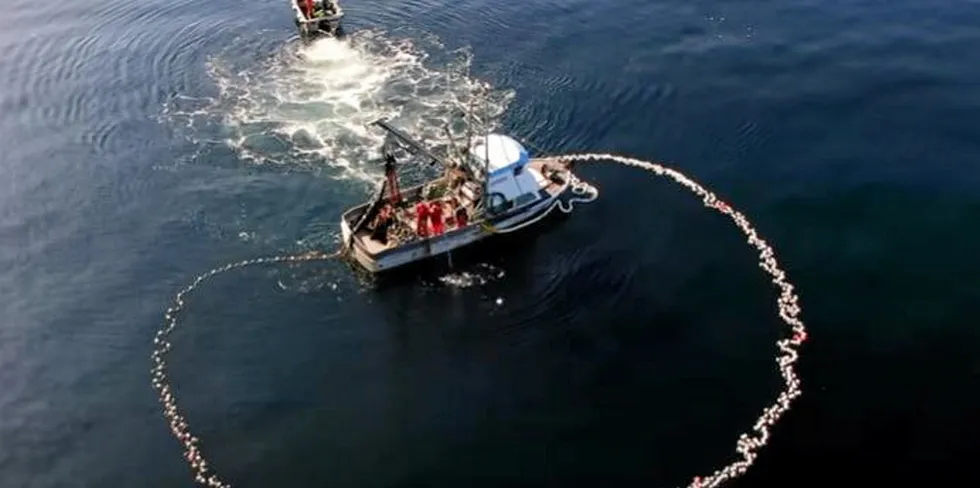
{"x":431,"y":247}
{"x":310,"y":30}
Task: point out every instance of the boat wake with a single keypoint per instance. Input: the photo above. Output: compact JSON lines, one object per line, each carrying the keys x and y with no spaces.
{"x":311,"y":105}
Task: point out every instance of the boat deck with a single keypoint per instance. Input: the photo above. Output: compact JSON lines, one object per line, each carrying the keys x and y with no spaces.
{"x":546,"y":167}
{"x":371,"y":245}
{"x":545,"y":170}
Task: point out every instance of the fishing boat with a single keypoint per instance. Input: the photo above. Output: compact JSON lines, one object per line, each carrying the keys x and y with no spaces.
{"x":317,"y":18}
{"x":491,"y":186}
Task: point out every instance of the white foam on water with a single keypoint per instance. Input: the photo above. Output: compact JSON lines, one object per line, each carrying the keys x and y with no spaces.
{"x":312,"y":105}
{"x":476,"y":275}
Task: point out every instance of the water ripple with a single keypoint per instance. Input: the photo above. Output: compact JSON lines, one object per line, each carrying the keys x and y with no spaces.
{"x":559,"y":298}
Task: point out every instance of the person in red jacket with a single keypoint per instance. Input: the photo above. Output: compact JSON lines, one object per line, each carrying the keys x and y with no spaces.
{"x":435,"y":215}
{"x":421,"y":217}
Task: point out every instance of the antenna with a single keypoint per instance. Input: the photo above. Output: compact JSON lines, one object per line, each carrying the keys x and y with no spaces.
{"x":486,"y":150}
{"x":469,"y":126}
{"x":452,"y":145}
{"x":469,"y":115}
{"x":460,"y":157}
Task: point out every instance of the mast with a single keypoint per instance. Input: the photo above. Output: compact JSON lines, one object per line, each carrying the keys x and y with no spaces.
{"x":391,"y":175}
{"x":469,"y":126}
{"x":486,"y":157}
{"x":452,"y":145}
{"x":469,"y":117}
{"x":449,"y":134}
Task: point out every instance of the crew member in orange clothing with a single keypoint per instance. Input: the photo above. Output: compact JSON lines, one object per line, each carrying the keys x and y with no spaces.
{"x":435,"y":216}
{"x":421,"y":216}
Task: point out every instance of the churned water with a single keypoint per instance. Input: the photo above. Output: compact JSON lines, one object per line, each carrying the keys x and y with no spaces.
{"x":627,"y":345}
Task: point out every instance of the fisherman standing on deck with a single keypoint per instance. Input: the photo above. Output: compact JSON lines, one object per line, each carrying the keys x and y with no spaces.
{"x":382,"y":223}
{"x":323,"y":8}
{"x":421,"y":219}
{"x":435,"y":214}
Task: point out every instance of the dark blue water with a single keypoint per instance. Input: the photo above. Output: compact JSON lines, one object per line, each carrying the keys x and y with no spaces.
{"x":146,"y":142}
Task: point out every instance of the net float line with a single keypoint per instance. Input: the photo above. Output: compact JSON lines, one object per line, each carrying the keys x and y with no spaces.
{"x":787,"y":303}
{"x":203,"y":475}
{"x":748,"y":443}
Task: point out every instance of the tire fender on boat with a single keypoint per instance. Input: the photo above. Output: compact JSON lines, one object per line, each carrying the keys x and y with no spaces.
{"x":496,"y":208}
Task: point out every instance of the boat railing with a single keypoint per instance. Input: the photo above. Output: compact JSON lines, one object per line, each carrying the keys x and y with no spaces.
{"x":301,"y":17}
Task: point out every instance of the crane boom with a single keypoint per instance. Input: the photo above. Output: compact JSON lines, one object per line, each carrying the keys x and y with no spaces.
{"x":413,"y":146}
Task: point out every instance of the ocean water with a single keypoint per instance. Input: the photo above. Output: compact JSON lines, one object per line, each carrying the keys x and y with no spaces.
{"x":146,"y":142}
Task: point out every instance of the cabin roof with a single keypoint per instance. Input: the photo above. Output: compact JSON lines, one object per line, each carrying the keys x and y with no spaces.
{"x":503,"y":152}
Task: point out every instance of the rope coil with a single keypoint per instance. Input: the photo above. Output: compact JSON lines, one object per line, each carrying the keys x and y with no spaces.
{"x":748,"y":443}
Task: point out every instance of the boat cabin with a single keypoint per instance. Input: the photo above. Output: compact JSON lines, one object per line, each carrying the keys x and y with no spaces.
{"x":503,"y":162}
{"x":492,"y":184}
